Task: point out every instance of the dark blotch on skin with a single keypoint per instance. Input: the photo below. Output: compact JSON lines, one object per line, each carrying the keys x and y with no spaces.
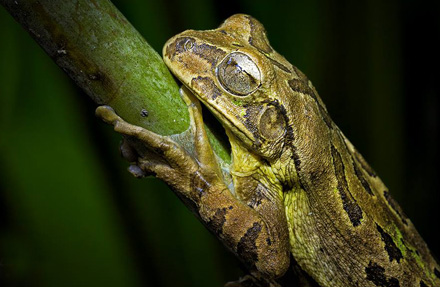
{"x":393,"y":251}
{"x":246,"y":247}
{"x":268,"y":241}
{"x":423,"y":284}
{"x":279,"y":65}
{"x":364,"y":164}
{"x":353,"y":210}
{"x":300,"y":86}
{"x":395,"y":206}
{"x":296,"y":159}
{"x":286,"y":187}
{"x":393,"y":282}
{"x":178,"y":46}
{"x":325,"y":116}
{"x":288,"y":137}
{"x":256,"y":199}
{"x":209,"y":53}
{"x":362,"y":179}
{"x":258,"y":36}
{"x":206,"y":86}
{"x":218,"y":220}
{"x":376,"y":274}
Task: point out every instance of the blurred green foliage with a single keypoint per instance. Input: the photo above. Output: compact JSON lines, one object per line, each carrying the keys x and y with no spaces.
{"x":71,"y":216}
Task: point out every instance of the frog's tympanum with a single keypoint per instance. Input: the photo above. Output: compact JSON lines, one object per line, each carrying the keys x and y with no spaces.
{"x":298,"y":192}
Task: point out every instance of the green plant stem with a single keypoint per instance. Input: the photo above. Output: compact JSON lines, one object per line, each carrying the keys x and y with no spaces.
{"x":105,"y":56}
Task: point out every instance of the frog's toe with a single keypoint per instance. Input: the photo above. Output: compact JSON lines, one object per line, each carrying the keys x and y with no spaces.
{"x":127,"y":151}
{"x":107,"y":114}
{"x":136,"y":171}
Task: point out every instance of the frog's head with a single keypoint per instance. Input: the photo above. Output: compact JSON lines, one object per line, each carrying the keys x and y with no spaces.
{"x":232,"y":71}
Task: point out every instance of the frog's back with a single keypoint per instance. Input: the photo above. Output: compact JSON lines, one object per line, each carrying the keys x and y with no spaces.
{"x":345,"y":228}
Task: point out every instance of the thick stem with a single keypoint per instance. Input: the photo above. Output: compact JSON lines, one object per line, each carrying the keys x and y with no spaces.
{"x":105,"y":56}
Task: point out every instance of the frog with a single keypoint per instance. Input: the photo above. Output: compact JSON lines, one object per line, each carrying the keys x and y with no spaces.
{"x":297,"y":194}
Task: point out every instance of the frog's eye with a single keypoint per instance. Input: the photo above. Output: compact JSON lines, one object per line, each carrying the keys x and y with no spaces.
{"x":238,"y":74}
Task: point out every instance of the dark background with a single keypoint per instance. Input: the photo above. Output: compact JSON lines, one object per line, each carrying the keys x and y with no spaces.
{"x":71,"y":216}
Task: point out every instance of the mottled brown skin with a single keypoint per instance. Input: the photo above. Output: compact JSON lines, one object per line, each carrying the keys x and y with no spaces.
{"x":299,"y":186}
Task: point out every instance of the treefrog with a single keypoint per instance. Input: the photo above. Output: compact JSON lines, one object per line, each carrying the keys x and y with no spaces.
{"x":297,"y":193}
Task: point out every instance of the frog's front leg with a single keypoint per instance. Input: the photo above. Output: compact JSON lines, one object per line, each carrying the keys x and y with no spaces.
{"x":199,"y":183}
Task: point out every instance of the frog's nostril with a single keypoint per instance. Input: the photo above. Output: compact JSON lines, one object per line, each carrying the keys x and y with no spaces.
{"x":184,"y":44}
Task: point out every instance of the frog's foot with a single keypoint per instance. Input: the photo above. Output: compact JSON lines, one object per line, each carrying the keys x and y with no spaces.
{"x":161,"y":156}
{"x":129,"y":153}
{"x":149,"y":152}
